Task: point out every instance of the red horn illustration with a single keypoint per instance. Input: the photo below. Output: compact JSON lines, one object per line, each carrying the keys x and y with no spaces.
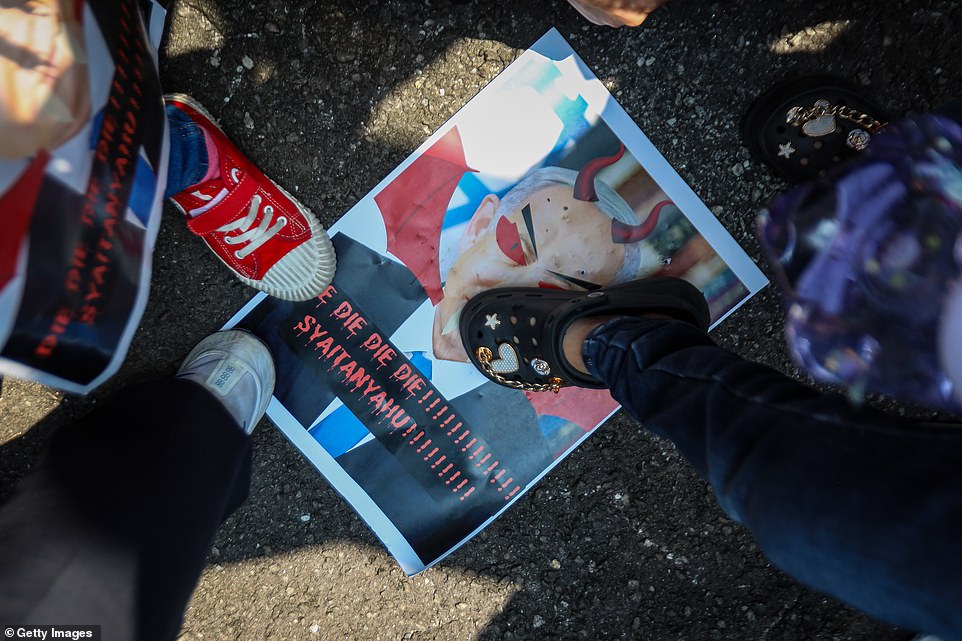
{"x":585,"y":183}
{"x":623,"y":233}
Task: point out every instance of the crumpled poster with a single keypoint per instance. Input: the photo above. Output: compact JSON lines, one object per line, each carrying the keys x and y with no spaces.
{"x":81,"y":211}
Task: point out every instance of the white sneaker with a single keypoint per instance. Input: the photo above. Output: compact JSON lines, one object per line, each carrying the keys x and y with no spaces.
{"x":238,"y":369}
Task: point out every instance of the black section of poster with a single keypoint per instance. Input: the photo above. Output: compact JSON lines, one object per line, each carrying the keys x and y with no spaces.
{"x":122,"y":24}
{"x":386,"y":290}
{"x":432,"y":528}
{"x":408,"y":416}
{"x":387,"y":293}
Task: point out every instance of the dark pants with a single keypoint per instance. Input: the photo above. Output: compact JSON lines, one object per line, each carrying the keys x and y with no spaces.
{"x":852,"y":502}
{"x":113,"y":527}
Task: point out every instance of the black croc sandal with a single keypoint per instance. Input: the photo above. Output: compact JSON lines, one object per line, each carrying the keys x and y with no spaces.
{"x":802,"y":128}
{"x":514,"y":334}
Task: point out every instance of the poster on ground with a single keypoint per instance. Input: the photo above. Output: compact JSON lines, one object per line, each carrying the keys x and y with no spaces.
{"x":373,"y":384}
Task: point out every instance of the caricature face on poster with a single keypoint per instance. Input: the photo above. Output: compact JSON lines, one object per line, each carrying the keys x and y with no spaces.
{"x":542,"y":181}
{"x":567,"y":228}
{"x":572,"y":209}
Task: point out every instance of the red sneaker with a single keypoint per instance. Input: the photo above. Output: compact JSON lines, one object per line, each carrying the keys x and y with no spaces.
{"x":272,"y":242}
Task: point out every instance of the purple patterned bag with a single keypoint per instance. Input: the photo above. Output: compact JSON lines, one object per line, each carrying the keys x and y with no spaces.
{"x":869,"y":258}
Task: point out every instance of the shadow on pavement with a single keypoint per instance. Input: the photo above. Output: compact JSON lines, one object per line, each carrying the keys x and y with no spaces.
{"x":621,"y":540}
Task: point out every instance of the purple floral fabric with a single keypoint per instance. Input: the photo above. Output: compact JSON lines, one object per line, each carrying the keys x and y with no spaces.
{"x":866,"y":256}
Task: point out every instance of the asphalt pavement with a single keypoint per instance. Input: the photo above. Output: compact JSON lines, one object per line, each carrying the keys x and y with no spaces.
{"x":622,"y":540}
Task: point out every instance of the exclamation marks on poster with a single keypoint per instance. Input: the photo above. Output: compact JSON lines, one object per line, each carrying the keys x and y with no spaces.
{"x":431,"y":448}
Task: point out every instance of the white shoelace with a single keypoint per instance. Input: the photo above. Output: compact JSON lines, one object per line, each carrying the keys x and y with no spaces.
{"x":254,"y":237}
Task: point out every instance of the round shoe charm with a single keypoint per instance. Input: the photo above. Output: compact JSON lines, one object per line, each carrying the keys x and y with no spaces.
{"x":540,"y":366}
{"x":858,"y":139}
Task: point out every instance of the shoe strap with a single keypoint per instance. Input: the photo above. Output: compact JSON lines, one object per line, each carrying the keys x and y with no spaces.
{"x":234,"y":206}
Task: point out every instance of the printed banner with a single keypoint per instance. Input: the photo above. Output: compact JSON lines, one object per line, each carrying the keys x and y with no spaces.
{"x":75,"y":270}
{"x":374,"y":386}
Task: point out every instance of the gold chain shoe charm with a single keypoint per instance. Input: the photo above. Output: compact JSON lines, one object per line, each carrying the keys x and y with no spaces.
{"x":489,"y":364}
